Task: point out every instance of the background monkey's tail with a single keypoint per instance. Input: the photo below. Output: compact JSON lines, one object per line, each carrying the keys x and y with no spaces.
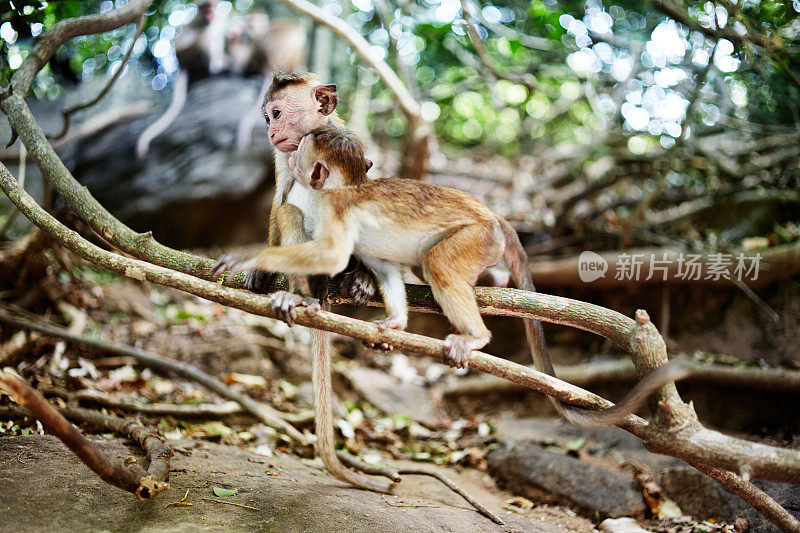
{"x":517,"y":261}
{"x":323,"y":417}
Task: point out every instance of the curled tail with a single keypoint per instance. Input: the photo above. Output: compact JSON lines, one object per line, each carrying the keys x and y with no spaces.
{"x":323,"y":417}
{"x":517,"y":261}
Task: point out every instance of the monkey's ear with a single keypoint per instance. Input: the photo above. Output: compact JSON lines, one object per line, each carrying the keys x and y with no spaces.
{"x":319,"y":174}
{"x":367,"y":164}
{"x":326,"y":98}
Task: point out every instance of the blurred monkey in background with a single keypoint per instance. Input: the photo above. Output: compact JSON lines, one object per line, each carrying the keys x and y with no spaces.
{"x":200,"y":49}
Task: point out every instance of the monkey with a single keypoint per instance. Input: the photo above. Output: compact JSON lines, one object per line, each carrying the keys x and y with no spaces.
{"x":200,"y":49}
{"x":389,"y":222}
{"x":294,"y":105}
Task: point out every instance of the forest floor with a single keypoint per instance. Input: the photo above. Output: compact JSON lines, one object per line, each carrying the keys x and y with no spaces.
{"x":45,"y":487}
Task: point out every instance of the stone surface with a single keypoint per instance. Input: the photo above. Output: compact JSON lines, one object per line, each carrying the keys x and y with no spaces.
{"x":703,"y":498}
{"x":542,"y":475}
{"x":394,"y":397}
{"x":45,"y":488}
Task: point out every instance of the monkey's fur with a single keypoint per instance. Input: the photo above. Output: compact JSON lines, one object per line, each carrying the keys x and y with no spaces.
{"x":391,"y":222}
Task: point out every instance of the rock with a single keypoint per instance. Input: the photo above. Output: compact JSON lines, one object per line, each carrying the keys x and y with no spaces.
{"x":46,"y":488}
{"x":621,"y":525}
{"x":701,"y":497}
{"x":394,"y":397}
{"x":541,"y":475}
{"x":193,"y":188}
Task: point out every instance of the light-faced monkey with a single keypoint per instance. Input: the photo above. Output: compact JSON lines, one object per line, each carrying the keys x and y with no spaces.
{"x":294,"y":105}
{"x":392,"y":222}
{"x":200,"y":50}
{"x":258,"y":46}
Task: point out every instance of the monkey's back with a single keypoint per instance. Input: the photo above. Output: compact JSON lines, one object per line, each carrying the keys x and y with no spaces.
{"x":400,"y":219}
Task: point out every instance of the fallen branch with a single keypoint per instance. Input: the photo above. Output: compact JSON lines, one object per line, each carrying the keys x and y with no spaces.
{"x":263,"y":412}
{"x":127,"y":476}
{"x":692,"y":442}
{"x":767,"y":379}
{"x":203,"y":410}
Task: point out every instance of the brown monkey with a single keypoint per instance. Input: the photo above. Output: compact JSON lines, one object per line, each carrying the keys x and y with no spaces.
{"x":294,"y":105}
{"x":391,"y":222}
{"x":200,"y":49}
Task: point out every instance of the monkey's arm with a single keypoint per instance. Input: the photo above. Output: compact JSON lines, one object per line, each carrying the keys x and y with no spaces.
{"x":328,"y":254}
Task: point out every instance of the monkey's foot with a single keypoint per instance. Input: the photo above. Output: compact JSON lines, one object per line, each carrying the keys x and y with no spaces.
{"x":458,"y":347}
{"x":391,"y":322}
{"x":258,"y":281}
{"x":234,"y":261}
{"x":285,"y":304}
{"x":358,"y":285}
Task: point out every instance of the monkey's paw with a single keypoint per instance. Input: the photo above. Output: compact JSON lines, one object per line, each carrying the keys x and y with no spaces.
{"x":285,"y":305}
{"x":457,"y":349}
{"x":358,"y":285}
{"x":234,"y":261}
{"x":258,"y":281}
{"x":387,"y":323}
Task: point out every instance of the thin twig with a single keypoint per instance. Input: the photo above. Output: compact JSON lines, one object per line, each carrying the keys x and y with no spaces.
{"x":231,"y":503}
{"x":67,"y":113}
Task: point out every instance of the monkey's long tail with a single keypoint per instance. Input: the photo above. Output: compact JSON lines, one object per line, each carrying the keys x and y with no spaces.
{"x":157,"y":128}
{"x":323,"y":417}
{"x":517,"y":261}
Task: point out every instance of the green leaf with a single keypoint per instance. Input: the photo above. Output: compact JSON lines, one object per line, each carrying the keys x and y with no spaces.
{"x":225,"y":493}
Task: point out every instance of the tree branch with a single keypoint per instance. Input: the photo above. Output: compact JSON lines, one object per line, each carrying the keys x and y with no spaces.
{"x":691,"y":441}
{"x":65,"y":30}
{"x":67,"y":113}
{"x":263,"y":412}
{"x":128,"y":477}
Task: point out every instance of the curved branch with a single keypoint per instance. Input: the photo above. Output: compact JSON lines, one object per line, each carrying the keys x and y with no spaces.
{"x":65,"y":30}
{"x":67,"y":113}
{"x":408,"y":104}
{"x":695,"y":443}
{"x":525,"y":79}
{"x":128,"y":477}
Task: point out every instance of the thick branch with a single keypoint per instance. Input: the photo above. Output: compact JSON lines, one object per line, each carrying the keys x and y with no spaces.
{"x":762,"y":461}
{"x":65,"y":30}
{"x":130,"y":478}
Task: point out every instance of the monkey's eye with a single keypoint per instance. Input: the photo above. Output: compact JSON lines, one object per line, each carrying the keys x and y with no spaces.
{"x":276,"y":113}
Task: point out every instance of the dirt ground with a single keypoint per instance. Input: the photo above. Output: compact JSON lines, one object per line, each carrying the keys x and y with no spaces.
{"x":45,"y":488}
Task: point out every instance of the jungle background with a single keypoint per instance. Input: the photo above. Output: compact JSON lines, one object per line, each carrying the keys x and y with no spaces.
{"x":661,"y":136}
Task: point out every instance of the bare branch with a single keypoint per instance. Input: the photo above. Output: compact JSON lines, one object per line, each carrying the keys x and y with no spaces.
{"x":528,"y":80}
{"x":263,"y":412}
{"x":67,"y":113}
{"x":61,"y":32}
{"x":131,"y":478}
{"x":692,"y":441}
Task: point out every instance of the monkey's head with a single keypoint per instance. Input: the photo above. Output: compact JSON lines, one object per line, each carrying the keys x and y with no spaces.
{"x":296,"y":104}
{"x":330,"y":157}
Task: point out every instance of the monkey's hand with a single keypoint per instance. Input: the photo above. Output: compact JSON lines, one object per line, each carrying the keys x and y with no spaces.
{"x":358,"y":285}
{"x":258,"y":281}
{"x":391,"y":322}
{"x":235,"y":262}
{"x":285,"y":303}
